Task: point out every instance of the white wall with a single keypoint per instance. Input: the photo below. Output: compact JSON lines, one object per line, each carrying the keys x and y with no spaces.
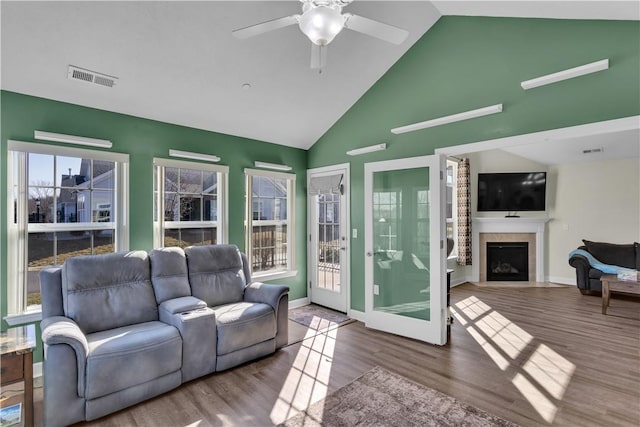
{"x":597,"y":201}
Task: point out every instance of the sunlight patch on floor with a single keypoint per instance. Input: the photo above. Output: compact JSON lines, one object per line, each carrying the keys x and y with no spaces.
{"x":505,"y":334}
{"x":550,"y":370}
{"x":542,"y":377}
{"x":494,"y":354}
{"x":541,"y":403}
{"x":308,"y":379}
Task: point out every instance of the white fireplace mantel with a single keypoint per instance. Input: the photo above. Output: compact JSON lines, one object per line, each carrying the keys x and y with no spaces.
{"x":508,"y":225}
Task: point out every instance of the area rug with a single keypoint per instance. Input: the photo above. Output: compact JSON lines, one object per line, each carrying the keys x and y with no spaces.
{"x":382,"y":398}
{"x":317,"y":317}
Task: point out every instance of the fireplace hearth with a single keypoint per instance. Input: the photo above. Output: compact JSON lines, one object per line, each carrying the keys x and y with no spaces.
{"x":507,"y":261}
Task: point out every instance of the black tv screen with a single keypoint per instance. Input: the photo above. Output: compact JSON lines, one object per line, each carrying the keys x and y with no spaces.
{"x":522,"y":191}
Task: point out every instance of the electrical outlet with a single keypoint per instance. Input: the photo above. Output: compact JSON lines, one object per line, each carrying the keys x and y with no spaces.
{"x":376,"y":289}
{"x":354,"y":233}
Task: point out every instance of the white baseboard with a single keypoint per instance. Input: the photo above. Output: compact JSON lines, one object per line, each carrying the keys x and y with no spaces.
{"x":357,"y":315}
{"x":561,"y":280}
{"x":300,"y":302}
{"x":37,"y":370}
{"x":459,"y":281}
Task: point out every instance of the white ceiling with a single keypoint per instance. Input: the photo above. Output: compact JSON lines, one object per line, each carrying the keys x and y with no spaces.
{"x":177,"y":62}
{"x":614,"y":145}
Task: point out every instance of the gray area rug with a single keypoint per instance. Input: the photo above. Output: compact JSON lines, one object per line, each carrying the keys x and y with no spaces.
{"x":317,"y":317}
{"x":382,"y":398}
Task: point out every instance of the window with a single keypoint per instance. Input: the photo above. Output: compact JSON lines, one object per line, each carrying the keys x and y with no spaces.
{"x":452,"y":204}
{"x":64,"y":202}
{"x":270,"y":222}
{"x":387,"y":212}
{"x":189,"y":203}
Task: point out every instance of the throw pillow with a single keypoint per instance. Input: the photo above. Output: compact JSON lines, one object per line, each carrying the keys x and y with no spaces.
{"x":613,"y":254}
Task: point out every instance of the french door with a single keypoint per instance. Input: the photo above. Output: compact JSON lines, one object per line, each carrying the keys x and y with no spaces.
{"x":405,"y":270}
{"x":328,"y":252}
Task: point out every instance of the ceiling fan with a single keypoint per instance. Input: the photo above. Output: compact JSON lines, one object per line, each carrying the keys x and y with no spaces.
{"x":321,"y":21}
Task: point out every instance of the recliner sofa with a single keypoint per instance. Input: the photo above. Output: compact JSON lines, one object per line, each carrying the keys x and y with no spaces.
{"x":124,"y":327}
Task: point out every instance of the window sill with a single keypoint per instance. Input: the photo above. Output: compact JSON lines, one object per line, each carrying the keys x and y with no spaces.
{"x":274,"y":276}
{"x":23,"y":318}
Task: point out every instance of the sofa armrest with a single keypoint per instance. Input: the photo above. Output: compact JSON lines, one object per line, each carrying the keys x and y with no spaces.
{"x":277,"y":296}
{"x":58,"y":330}
{"x":265,"y":293}
{"x":179,"y":305}
{"x":582,"y":266}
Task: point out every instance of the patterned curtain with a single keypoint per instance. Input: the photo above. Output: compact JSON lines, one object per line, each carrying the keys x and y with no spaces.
{"x":464,"y":213}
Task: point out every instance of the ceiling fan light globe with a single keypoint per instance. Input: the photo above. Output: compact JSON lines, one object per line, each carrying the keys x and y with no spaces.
{"x":321,"y":24}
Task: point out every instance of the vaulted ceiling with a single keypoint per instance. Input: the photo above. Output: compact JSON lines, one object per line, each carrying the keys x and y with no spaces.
{"x":177,"y":62}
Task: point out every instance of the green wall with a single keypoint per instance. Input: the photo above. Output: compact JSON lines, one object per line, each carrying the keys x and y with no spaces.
{"x":464,"y":63}
{"x":143,"y":140}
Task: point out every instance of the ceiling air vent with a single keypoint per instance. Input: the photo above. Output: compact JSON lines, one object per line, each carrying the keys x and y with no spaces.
{"x":593,"y":150}
{"x":87,"y":76}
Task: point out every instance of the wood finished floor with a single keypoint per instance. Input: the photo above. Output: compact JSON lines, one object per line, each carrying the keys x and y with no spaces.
{"x":535,"y":356}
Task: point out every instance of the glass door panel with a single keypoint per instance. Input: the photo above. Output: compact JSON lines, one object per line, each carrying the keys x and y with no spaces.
{"x":401,"y":242}
{"x":404,"y":244}
{"x":328,"y":250}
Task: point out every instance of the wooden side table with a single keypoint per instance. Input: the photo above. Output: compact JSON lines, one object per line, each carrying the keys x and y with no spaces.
{"x":611,"y":283}
{"x":16,"y":363}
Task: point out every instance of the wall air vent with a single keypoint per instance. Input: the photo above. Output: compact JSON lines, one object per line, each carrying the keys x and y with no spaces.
{"x":87,"y":76}
{"x":593,"y":150}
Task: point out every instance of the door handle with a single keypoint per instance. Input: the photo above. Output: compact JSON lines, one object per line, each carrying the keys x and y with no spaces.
{"x":343,"y":248}
{"x":369,"y":253}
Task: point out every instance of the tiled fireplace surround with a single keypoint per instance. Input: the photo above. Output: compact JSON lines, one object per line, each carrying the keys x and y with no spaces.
{"x":531,"y":230}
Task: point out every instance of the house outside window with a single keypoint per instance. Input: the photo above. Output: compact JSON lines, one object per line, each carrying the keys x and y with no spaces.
{"x":64,"y":202}
{"x":452,"y":204}
{"x":190,"y":203}
{"x":270,"y":222}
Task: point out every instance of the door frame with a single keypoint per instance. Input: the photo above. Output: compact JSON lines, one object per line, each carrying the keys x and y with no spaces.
{"x":328,"y":170}
{"x":403,"y":325}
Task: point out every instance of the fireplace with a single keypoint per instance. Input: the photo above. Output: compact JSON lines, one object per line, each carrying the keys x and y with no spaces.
{"x":507,"y":261}
{"x":531,"y":230}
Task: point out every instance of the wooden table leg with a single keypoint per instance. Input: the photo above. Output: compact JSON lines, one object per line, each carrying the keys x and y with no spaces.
{"x":605,"y":296}
{"x":28,"y":388}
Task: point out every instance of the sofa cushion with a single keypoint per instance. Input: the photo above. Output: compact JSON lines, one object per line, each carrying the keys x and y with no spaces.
{"x":637,"y":247}
{"x":124,"y":357}
{"x":108,"y":291}
{"x":612,"y":254}
{"x":243,"y":324}
{"x":169,"y":274}
{"x":216,"y":273}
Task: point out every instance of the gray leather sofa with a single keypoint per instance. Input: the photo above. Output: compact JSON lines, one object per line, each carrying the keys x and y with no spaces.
{"x":124,"y":327}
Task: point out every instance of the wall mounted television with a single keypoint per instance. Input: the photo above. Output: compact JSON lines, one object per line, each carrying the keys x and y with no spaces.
{"x":512,"y":192}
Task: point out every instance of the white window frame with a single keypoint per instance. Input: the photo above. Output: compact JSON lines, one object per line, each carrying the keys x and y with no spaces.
{"x":290,"y":222}
{"x":17,"y":233}
{"x":454,"y":206}
{"x":221,"y":224}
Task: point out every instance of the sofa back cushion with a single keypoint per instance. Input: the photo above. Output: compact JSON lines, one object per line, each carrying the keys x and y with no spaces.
{"x":169,"y":274}
{"x":108,"y":291}
{"x":637,"y":246}
{"x":613,"y":254}
{"x":216,"y":273}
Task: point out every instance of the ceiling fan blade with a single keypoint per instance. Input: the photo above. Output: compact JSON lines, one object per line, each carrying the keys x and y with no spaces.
{"x":274,"y":24}
{"x":318,"y":56}
{"x":376,"y":29}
